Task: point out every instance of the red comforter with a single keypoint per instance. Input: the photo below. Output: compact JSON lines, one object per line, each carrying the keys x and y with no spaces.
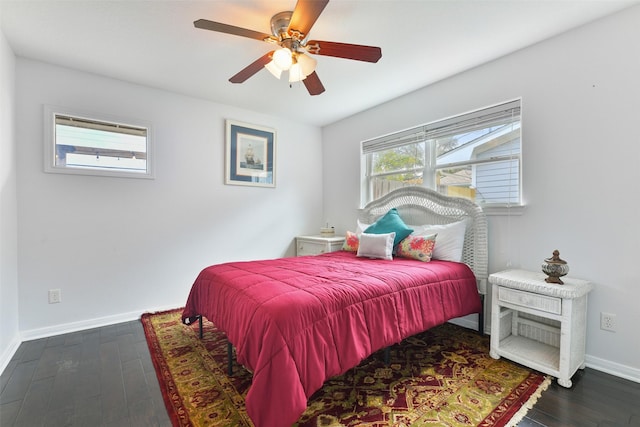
{"x":295,"y":322}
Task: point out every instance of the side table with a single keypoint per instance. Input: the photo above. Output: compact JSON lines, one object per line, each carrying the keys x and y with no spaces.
{"x":538,"y":324}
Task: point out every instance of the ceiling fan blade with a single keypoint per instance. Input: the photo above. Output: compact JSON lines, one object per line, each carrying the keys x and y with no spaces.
{"x":345,"y":50}
{"x":305,"y":15}
{"x":230,"y":29}
{"x":252,"y":68}
{"x":313,"y":84}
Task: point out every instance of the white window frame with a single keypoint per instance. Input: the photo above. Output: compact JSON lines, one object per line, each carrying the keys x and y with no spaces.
{"x":52,"y":166}
{"x":430,"y":131}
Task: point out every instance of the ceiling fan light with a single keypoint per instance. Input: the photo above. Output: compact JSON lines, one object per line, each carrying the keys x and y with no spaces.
{"x":282,"y":58}
{"x":274,"y":69}
{"x":307,"y":63}
{"x":295,"y":73}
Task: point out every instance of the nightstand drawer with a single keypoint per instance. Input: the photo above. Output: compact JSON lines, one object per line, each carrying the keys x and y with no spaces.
{"x":316,"y":245}
{"x":306,"y":247}
{"x":526,"y":299}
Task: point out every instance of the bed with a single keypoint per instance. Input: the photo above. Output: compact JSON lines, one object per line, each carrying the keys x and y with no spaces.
{"x":295,"y":322}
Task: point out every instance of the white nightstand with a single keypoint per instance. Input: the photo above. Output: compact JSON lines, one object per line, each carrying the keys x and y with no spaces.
{"x":538,"y":324}
{"x":315,"y":245}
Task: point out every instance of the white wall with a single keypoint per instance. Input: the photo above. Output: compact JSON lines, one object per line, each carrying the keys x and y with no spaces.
{"x":9,"y":333}
{"x":118,"y":247}
{"x":581,"y":105}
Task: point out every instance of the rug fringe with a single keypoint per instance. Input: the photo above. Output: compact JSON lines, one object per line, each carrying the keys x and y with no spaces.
{"x":529,"y":403}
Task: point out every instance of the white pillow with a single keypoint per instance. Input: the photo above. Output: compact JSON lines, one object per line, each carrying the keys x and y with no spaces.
{"x":450,"y":240}
{"x":376,"y":245}
{"x":361,"y":227}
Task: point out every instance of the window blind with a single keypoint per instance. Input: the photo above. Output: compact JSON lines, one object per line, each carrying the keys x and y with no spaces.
{"x":102,"y":126}
{"x":492,"y":116}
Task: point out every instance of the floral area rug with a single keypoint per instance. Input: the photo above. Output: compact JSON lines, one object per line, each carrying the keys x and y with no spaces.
{"x":441,"y":377}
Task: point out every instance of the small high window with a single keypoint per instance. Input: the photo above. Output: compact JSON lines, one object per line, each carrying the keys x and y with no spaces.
{"x":89,"y":144}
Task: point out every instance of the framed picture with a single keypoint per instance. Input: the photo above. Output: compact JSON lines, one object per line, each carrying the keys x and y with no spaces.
{"x":250,"y":155}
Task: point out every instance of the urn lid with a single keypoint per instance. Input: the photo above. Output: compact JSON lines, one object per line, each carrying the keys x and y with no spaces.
{"x":555,"y":259}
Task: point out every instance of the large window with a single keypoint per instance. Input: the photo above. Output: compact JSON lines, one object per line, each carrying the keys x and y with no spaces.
{"x":475,"y":155}
{"x":96,"y":145}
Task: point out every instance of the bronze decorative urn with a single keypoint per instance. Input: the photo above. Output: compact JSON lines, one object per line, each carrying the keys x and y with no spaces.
{"x":555,"y":268}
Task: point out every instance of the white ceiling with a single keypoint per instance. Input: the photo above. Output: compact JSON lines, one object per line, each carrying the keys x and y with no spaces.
{"x":154,"y":43}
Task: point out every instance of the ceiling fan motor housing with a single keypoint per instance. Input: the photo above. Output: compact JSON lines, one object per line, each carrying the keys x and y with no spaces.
{"x":280,"y":24}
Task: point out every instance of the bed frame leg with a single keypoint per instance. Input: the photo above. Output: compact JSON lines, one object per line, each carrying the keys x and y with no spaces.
{"x":230,"y":359}
{"x":229,"y":348}
{"x":387,"y":355}
{"x":481,"y":316}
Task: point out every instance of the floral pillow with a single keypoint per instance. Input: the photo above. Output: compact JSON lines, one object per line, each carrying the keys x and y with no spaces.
{"x":450,"y":239}
{"x":351,"y":242}
{"x":417,"y":247}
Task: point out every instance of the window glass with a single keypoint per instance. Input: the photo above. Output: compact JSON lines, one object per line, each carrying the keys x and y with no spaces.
{"x":396,"y":167}
{"x":482,"y":165}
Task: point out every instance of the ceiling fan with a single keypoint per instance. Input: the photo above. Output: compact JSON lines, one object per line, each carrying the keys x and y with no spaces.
{"x":289,"y":34}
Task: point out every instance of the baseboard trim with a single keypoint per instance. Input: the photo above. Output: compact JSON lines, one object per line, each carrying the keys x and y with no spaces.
{"x":466,"y":322}
{"x":65,"y":328}
{"x":613,"y":368}
{"x":82,"y":325}
{"x":8,"y":353}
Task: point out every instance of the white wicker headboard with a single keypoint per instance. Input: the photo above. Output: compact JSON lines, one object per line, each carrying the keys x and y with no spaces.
{"x":419,"y":206}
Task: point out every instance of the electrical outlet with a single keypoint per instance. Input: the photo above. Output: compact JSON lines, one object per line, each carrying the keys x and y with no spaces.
{"x":55,"y":296}
{"x":608,"y":322}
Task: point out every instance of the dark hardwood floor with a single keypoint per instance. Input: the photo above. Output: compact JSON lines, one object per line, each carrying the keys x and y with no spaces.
{"x":596,"y":399}
{"x":104,"y":377}
{"x":98,"y":377}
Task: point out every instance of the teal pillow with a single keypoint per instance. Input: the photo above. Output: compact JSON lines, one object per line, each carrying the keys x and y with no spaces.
{"x":390,"y":222}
